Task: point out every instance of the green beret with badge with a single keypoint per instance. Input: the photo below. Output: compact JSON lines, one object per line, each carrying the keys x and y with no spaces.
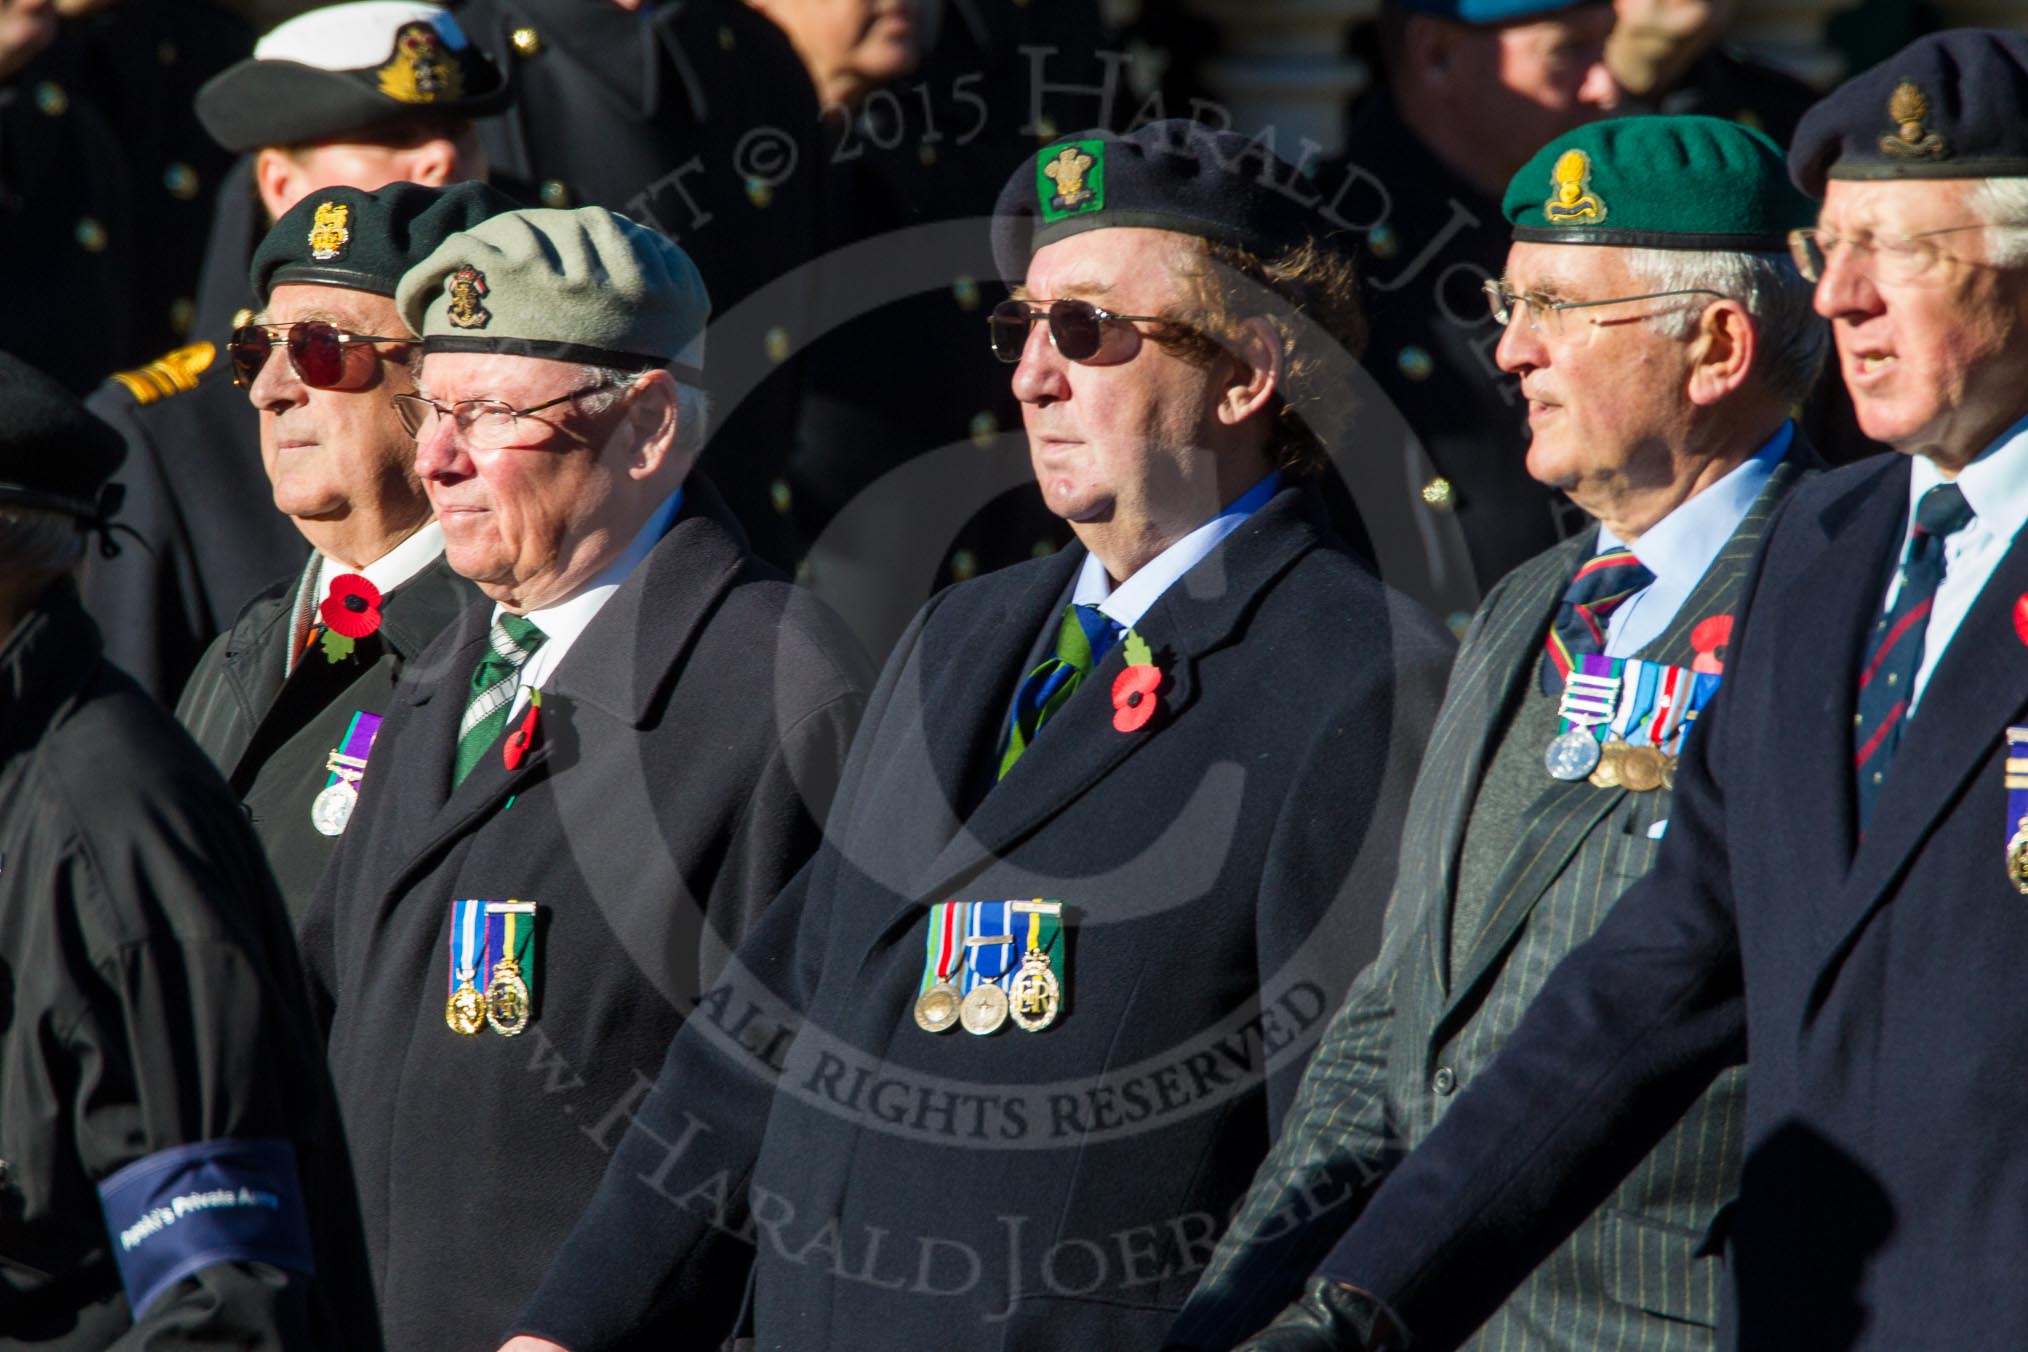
{"x":587,"y":285}
{"x":1658,"y":182}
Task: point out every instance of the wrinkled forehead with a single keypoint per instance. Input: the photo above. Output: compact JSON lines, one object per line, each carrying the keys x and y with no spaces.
{"x":1576,"y":271}
{"x":452,"y":376}
{"x":1119,"y":267}
{"x":1894,"y":206}
{"x":342,"y":307}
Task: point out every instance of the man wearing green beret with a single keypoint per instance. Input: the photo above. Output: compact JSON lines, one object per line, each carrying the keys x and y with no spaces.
{"x":593,"y":781}
{"x":289,"y":700}
{"x":1660,"y":334}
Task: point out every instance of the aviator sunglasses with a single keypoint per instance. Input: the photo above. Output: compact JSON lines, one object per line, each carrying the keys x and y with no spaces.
{"x":316,"y":349}
{"x":1076,"y":327}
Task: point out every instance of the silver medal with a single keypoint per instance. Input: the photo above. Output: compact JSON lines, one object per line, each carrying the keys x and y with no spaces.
{"x":1572,"y":756}
{"x":333,"y":808}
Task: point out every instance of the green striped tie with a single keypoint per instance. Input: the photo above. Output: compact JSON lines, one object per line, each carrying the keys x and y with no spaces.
{"x":514,"y":640}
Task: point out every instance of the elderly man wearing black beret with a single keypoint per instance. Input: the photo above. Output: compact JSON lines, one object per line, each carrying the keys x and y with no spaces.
{"x":1840,"y":897}
{"x":288,"y":702}
{"x":1115,"y":831}
{"x":162,"y":1102}
{"x":362,"y":94}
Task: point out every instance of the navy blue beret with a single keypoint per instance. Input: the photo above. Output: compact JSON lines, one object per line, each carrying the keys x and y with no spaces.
{"x":1171,"y":175}
{"x":1950,"y":105}
{"x":1490,"y":11}
{"x":364,"y":241}
{"x":53,"y":453}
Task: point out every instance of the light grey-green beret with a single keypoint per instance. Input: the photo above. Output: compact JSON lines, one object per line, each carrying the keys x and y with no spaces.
{"x":586,"y":285}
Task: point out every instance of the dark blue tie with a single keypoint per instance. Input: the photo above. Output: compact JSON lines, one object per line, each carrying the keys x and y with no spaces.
{"x":1601,"y":586}
{"x":1894,"y":653}
{"x":1083,"y":637}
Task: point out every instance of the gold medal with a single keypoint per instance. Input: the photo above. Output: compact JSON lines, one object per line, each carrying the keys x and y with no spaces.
{"x":984,"y":1010}
{"x":2017,"y":857}
{"x":465,"y":1011}
{"x":1035,"y":996}
{"x":1606,"y":775}
{"x":507,"y":999}
{"x":1641,"y":768}
{"x":936,"y":1009}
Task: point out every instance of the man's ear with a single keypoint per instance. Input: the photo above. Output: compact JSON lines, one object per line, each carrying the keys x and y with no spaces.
{"x":651,"y":427}
{"x":1256,"y":357}
{"x":1722,"y":351}
{"x":275,"y":178}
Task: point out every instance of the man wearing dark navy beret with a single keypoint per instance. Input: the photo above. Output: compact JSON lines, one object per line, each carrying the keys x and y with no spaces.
{"x":1842,"y":897}
{"x":1115,"y":831}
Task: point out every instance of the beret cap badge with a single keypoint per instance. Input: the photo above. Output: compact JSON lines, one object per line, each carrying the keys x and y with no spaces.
{"x":465,"y":287}
{"x":329,"y":232}
{"x":1908,"y":109}
{"x":1070,"y":179}
{"x":421,"y":70}
{"x":1572,"y":199}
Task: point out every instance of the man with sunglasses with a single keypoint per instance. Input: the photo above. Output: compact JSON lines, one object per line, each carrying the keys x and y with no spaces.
{"x":362,"y":94}
{"x":1839,"y":900}
{"x":1660,"y":334}
{"x":591,"y":784}
{"x":288,"y":700}
{"x":1114,"y":833}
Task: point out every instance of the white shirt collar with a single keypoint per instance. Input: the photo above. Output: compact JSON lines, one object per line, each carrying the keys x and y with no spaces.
{"x":1995,"y":484}
{"x":563,"y":621}
{"x":1129,"y":601}
{"x":391,"y":569}
{"x":1681,"y":546}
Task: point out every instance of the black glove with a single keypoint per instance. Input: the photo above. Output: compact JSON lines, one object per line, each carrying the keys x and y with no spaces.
{"x":1331,"y":1317}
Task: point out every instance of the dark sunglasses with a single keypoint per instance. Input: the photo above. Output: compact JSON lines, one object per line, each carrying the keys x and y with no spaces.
{"x":1076,"y":327}
{"x":316,"y":350}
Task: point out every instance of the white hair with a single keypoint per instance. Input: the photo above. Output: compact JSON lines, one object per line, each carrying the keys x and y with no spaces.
{"x":693,"y":406}
{"x":1794,"y":339}
{"x":2003,"y":202}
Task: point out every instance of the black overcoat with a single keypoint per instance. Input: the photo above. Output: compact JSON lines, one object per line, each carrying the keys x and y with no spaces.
{"x":1222,"y":870}
{"x":1877,"y":982}
{"x":271,"y":735}
{"x":686,"y":749}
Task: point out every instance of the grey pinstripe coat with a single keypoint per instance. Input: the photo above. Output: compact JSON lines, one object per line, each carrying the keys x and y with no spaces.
{"x":1641,"y":1272}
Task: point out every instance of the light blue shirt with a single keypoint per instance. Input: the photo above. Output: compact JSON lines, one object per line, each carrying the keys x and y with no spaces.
{"x":1128,"y":602}
{"x":1996,"y":489}
{"x":1679,"y":548}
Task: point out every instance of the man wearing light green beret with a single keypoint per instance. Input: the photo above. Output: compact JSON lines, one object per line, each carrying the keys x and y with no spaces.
{"x":593,"y":781}
{"x":1660,"y":335}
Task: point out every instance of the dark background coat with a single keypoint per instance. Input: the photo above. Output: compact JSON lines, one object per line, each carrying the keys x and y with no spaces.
{"x":687,"y":747}
{"x":149,"y":998}
{"x":271,"y":736}
{"x":1878,"y":983}
{"x":1222,"y":870}
{"x":1416,"y":1028}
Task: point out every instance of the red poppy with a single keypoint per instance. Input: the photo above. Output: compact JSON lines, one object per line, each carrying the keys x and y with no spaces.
{"x":1134,"y":696}
{"x":1709,"y":639}
{"x":352,"y":608}
{"x":2021,"y":617}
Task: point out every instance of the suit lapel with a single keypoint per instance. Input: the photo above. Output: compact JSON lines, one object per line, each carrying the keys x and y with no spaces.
{"x":1985,"y":669}
{"x":1565,"y":815}
{"x":1079,"y":745}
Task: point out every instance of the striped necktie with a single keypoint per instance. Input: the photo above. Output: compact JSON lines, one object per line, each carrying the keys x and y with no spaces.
{"x":1894,"y":654}
{"x":1083,"y":638}
{"x":1601,"y":586}
{"x":514,"y":640}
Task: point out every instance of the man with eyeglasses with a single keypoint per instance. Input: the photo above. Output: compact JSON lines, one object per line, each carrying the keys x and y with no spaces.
{"x":1660,"y":334}
{"x":590,"y":786}
{"x":1113,"y":835}
{"x":362,"y":94}
{"x":288,"y":701}
{"x":1840,"y":894}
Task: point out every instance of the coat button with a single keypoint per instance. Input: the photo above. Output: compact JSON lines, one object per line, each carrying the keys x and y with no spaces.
{"x":1444,"y":1082}
{"x":1439,"y":494}
{"x":527,"y":42}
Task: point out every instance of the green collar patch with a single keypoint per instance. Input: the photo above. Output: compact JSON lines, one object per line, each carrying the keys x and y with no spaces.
{"x":1070,"y":179}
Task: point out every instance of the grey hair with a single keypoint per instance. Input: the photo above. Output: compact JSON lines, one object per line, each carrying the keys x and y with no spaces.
{"x":1794,"y":339}
{"x":38,"y":545}
{"x":693,"y":405}
{"x":2003,"y":202}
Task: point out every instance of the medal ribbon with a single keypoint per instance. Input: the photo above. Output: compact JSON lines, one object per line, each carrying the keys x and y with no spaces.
{"x":1637,"y":696}
{"x":1589,"y":693}
{"x":1045,"y":931}
{"x":516,"y":941}
{"x":990,"y":963}
{"x":2017,"y":797}
{"x":944,"y":949}
{"x":348,"y":760}
{"x":1671,"y":697}
{"x":471,"y":938}
{"x":1706,"y":685}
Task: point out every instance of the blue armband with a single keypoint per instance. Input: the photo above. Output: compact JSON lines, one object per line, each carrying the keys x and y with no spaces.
{"x":181,"y":1210}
